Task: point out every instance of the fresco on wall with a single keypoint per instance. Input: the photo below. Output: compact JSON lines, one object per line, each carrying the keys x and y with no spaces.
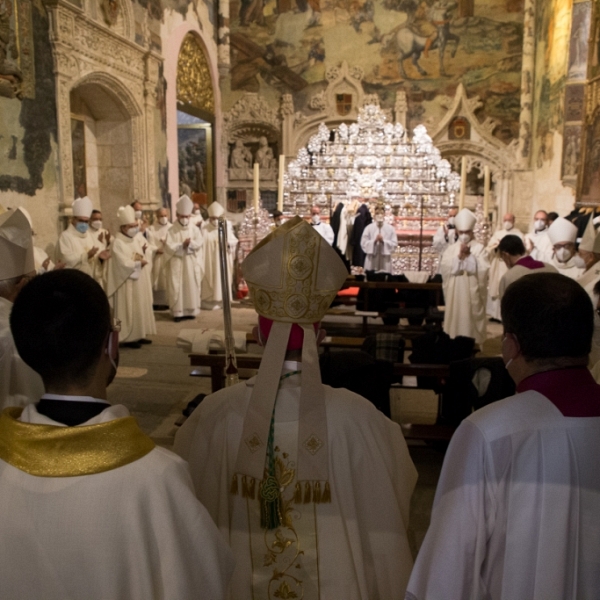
{"x":424,"y":47}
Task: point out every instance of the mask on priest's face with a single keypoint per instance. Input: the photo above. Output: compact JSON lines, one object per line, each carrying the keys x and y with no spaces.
{"x":132,"y":231}
{"x":316,"y":219}
{"x":379,"y":218}
{"x":197,"y":212}
{"x":579,"y":262}
{"x":464,"y":238}
{"x":138,"y":214}
{"x":539,"y":225}
{"x":163,"y":220}
{"x":563,"y":254}
{"x":508,"y":225}
{"x":97,"y":224}
{"x":184,"y":221}
{"x":81,"y":227}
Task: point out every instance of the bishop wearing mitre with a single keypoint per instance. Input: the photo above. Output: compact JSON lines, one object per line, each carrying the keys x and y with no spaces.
{"x":129,"y":295}
{"x":183,"y":248}
{"x":464,"y":267}
{"x":310,"y":485}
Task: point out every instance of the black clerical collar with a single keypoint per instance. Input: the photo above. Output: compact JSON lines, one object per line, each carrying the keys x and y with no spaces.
{"x":70,"y":410}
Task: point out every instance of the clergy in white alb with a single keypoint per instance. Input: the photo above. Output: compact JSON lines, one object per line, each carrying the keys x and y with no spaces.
{"x":43,"y":263}
{"x":464,"y":267}
{"x":379,"y":241}
{"x":516,"y":509}
{"x":323,"y":229}
{"x":309,"y":485}
{"x":77,"y":248}
{"x":518,"y":263}
{"x":563,"y":236}
{"x":129,"y":294}
{"x":157,"y":236}
{"x":90,"y":506}
{"x":19,"y":383}
{"x":445,"y":234}
{"x":211,"y":294}
{"x":537,"y":242}
{"x":497,"y":266}
{"x":183,"y":248}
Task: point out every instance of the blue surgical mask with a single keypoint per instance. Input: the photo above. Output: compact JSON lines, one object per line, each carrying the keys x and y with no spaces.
{"x":82,"y":227}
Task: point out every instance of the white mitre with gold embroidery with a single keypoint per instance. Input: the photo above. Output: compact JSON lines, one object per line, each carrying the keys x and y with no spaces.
{"x":293,"y":275}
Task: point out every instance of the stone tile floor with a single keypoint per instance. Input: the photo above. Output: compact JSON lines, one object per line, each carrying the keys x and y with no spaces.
{"x":154,"y":383}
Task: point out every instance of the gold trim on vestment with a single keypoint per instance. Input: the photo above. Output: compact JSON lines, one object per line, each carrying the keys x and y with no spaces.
{"x":55,"y":451}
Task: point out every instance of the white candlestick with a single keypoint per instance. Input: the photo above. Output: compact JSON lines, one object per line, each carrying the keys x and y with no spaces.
{"x":486,"y":192}
{"x":463,"y":183}
{"x":256,"y":186}
{"x":280,"y":183}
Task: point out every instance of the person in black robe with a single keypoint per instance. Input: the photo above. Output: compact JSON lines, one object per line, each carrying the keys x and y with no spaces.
{"x":363,"y":218}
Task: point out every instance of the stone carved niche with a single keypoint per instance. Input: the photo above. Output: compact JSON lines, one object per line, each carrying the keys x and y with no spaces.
{"x":88,"y":52}
{"x":251,"y":134}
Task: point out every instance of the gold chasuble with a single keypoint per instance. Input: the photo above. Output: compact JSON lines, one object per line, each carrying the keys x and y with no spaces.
{"x":56,"y":451}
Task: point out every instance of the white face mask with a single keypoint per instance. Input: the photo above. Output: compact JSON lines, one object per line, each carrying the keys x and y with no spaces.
{"x":539,"y":225}
{"x":132,"y":231}
{"x":138,"y":214}
{"x":579,"y":262}
{"x":379,"y":218}
{"x":464,"y":238}
{"x":563,"y":255}
{"x":316,"y":219}
{"x":197,"y":212}
{"x":508,"y":225}
{"x":163,"y":220}
{"x":184,"y":221}
{"x":96,"y":225}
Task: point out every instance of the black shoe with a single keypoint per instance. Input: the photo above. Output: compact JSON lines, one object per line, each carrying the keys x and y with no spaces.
{"x":177,"y":319}
{"x":144,"y":341}
{"x":131,"y":345}
{"x":160,"y":307}
{"x":189,"y":318}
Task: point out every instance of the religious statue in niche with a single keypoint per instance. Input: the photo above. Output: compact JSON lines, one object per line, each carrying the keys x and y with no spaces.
{"x":264,"y":155}
{"x":11,"y":77}
{"x":110,"y":10}
{"x":240,"y":161}
{"x":571,"y":151}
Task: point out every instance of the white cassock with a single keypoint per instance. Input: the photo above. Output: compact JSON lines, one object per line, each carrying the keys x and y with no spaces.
{"x":569,"y":269}
{"x":211,"y":281}
{"x":133,"y":532}
{"x":19,"y":383}
{"x":588,"y":280}
{"x":497,"y":270}
{"x":73,"y":248}
{"x":379,"y":254}
{"x":40,"y":256}
{"x":465,"y":291}
{"x":518,"y":271}
{"x":443,"y":239}
{"x":157,"y":234}
{"x":354,"y":548}
{"x":325,"y":231}
{"x":520,"y":488}
{"x":183,"y":271}
{"x":539,"y":246}
{"x":128,"y":291}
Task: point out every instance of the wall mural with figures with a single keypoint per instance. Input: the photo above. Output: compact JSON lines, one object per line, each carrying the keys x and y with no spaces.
{"x":424,"y":47}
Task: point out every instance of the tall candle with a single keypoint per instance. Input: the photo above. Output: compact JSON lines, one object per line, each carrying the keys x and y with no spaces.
{"x":463,"y":183}
{"x":486,"y":192}
{"x":256,"y":186}
{"x":280,"y":183}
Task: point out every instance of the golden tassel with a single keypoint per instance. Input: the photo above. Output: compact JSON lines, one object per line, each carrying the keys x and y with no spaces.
{"x":251,"y":488}
{"x":317,"y":493}
{"x":298,"y":493}
{"x":307,"y":492}
{"x":234,"y":485}
{"x":326,"y":497}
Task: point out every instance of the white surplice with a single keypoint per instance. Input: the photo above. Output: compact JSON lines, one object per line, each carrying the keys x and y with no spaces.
{"x":211,"y":280}
{"x":183,"y":271}
{"x":379,"y":254}
{"x":19,"y":383}
{"x":128,"y":290}
{"x":516,"y":509}
{"x":354,"y":548}
{"x":157,"y":235}
{"x":40,"y":257}
{"x":73,"y":248}
{"x":465,"y":291}
{"x":569,"y":269}
{"x":134,"y":532}
{"x":325,"y":231}
{"x":443,"y":238}
{"x":497,"y":270}
{"x":539,"y":246}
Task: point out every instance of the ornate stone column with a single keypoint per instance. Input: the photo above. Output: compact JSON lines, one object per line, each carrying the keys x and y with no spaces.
{"x":223,"y":47}
{"x":527,"y":88}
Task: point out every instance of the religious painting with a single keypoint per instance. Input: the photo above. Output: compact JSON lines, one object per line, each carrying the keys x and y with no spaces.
{"x":574,"y":102}
{"x":590,"y":180}
{"x":426,"y":47}
{"x":594,"y":51}
{"x":571,"y":153}
{"x":78,"y":153}
{"x":459,"y":129}
{"x":195,"y":159}
{"x":578,"y":47}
